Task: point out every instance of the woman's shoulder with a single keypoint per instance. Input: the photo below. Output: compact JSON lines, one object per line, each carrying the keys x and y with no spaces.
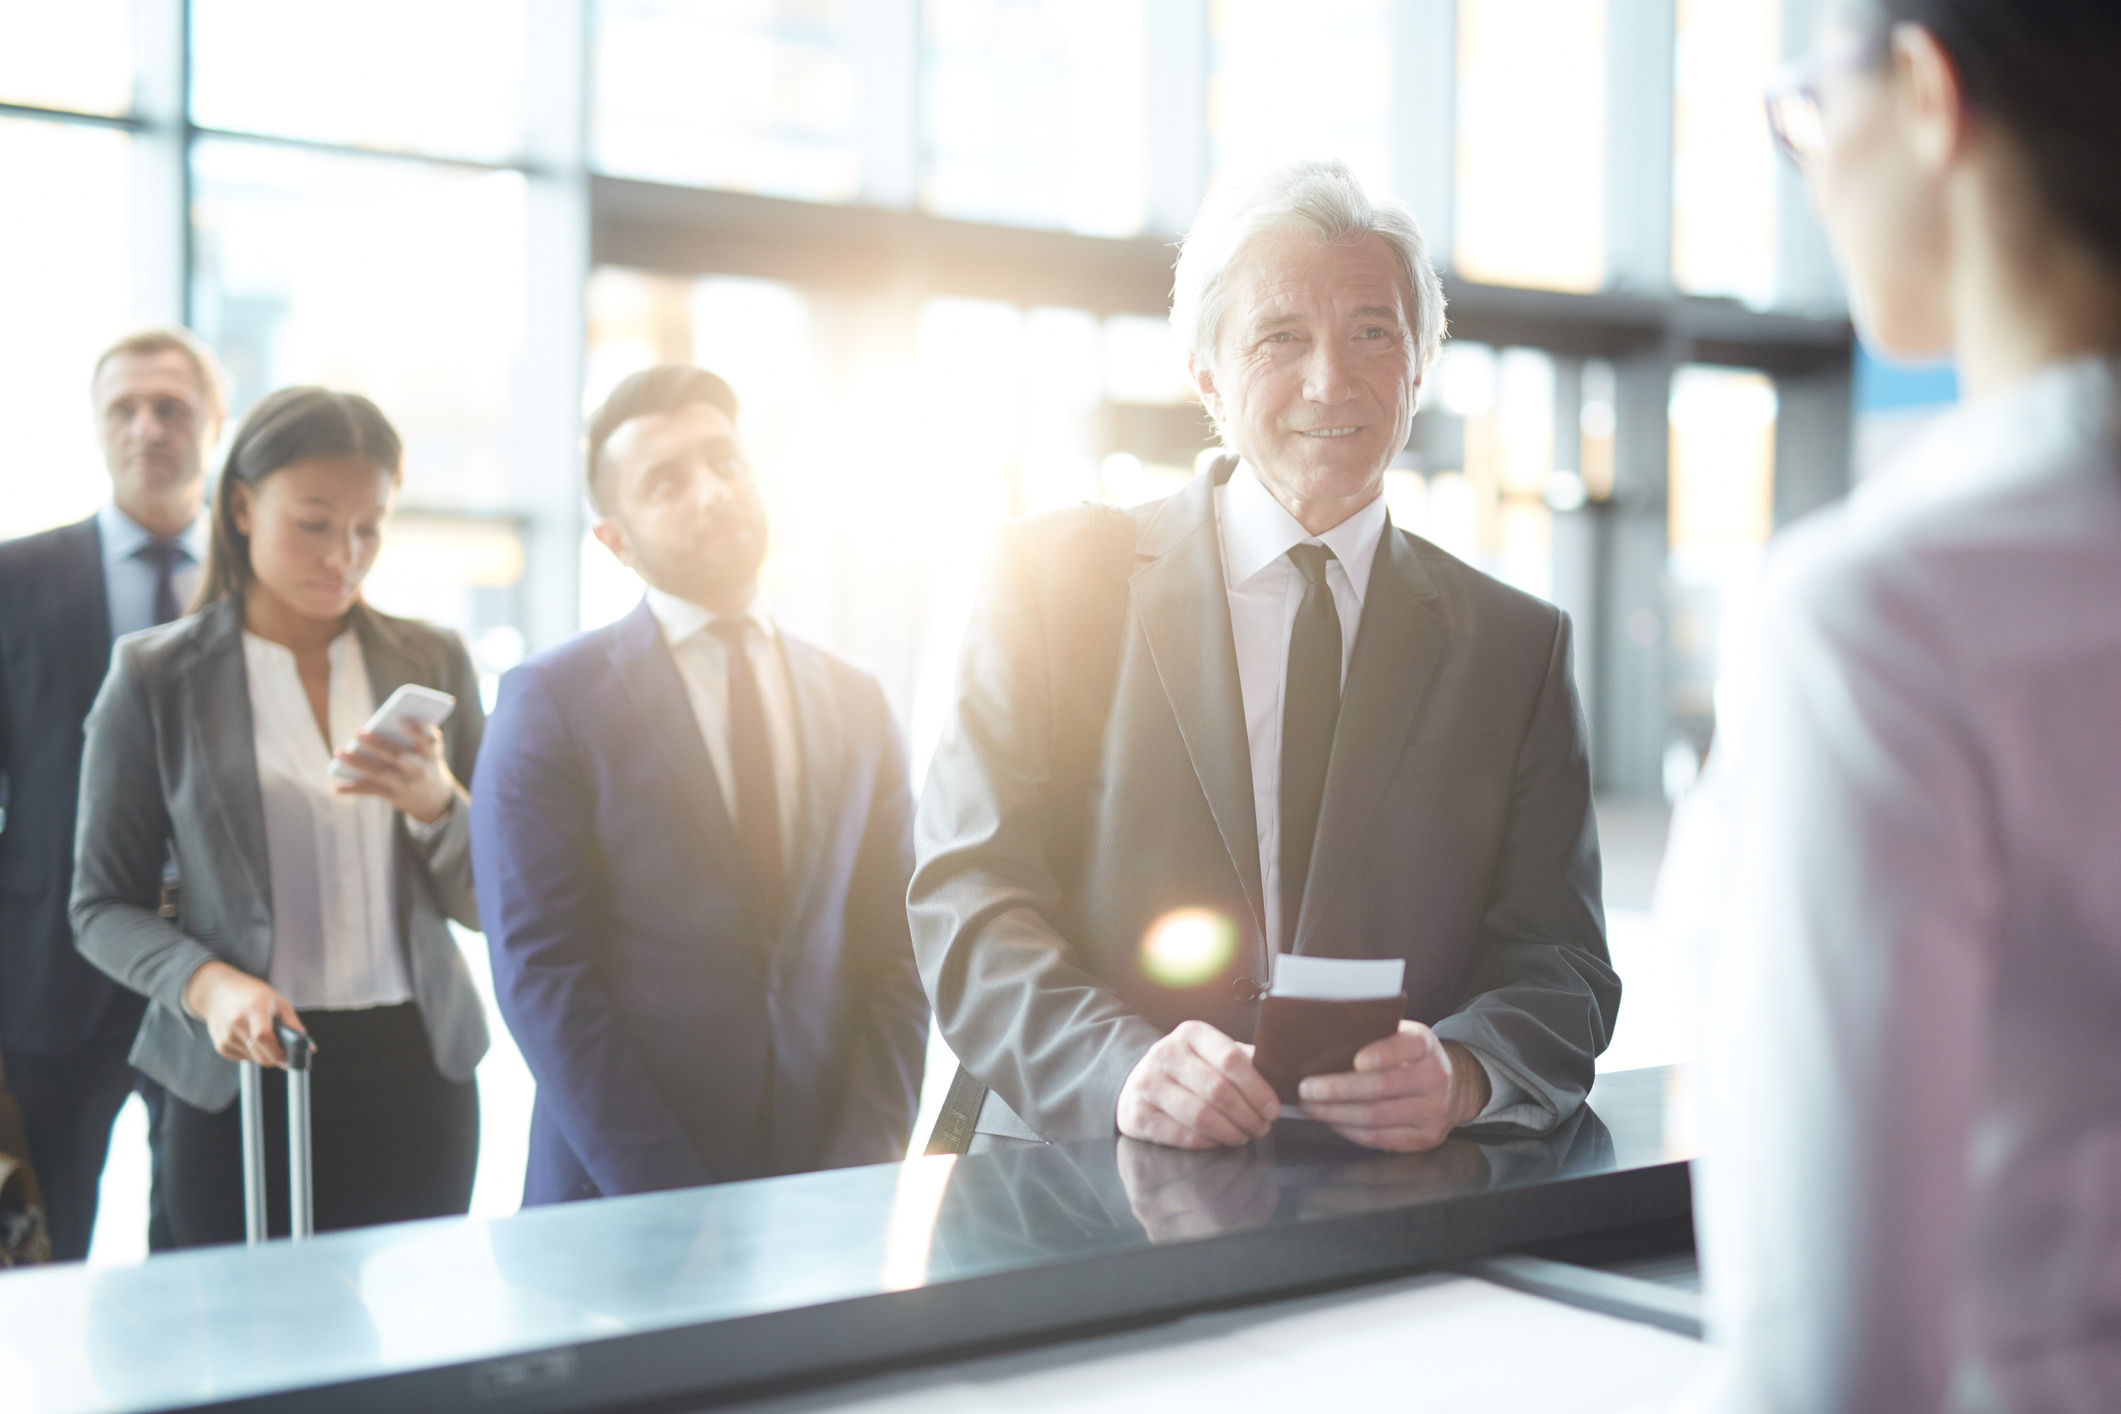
{"x":166,"y":649}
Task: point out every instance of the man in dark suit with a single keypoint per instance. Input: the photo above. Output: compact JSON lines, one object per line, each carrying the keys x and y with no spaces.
{"x":1255,"y":718}
{"x":691,"y":838}
{"x":65,"y":596}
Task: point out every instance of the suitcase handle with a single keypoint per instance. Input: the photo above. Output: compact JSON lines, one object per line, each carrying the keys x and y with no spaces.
{"x":299,"y":1051}
{"x":296,"y":1045}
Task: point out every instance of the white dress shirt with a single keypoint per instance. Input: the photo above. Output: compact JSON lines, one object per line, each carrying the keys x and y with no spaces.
{"x":703,"y":663}
{"x":1900,"y":878}
{"x":129,"y":581}
{"x":1265,"y":588}
{"x":334,"y":890}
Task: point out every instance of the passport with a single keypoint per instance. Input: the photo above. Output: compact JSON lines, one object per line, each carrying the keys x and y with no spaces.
{"x":1319,"y":1012}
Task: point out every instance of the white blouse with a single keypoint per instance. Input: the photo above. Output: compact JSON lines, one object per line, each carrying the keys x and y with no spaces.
{"x":334,"y":894}
{"x":1901,"y":876}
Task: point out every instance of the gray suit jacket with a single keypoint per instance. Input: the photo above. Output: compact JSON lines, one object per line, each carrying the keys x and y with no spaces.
{"x":171,"y":766}
{"x":1456,"y":830}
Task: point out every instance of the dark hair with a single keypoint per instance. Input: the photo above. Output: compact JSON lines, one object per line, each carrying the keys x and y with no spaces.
{"x":2050,"y":72}
{"x":291,"y":425}
{"x":663,"y":388}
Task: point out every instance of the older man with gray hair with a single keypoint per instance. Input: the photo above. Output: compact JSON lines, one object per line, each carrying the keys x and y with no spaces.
{"x":1253,"y":719}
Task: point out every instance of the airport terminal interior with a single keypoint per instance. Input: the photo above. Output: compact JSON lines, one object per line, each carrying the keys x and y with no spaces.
{"x":930,"y":245}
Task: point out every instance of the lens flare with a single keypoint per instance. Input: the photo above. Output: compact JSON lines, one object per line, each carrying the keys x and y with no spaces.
{"x":1188,"y":946}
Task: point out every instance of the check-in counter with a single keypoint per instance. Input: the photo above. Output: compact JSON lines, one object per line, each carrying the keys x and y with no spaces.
{"x":717,"y":1293}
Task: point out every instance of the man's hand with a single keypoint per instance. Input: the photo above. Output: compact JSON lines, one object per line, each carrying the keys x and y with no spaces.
{"x":1196,"y":1089}
{"x":1406,"y":1093}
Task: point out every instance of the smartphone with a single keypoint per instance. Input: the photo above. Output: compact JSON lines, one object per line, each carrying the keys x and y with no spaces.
{"x":421,"y":704}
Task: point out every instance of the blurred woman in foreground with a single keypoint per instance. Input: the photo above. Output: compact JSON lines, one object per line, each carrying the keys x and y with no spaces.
{"x":1903,"y":867}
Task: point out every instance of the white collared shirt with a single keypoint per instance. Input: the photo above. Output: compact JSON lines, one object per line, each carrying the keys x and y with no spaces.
{"x":703,"y":663}
{"x":333,"y":888}
{"x":129,"y":581}
{"x":1265,"y":588}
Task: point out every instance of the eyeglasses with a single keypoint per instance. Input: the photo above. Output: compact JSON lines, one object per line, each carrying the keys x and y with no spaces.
{"x":1793,"y":97}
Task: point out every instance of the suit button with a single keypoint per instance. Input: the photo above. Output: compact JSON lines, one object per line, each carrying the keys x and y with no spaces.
{"x":1246,"y":989}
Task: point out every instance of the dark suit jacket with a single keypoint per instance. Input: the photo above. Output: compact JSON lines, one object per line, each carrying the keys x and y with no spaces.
{"x":54,"y":650}
{"x":172,"y":764}
{"x":1456,"y":830}
{"x":675,"y":1041}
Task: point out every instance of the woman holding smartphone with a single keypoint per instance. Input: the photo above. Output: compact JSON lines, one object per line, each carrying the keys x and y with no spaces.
{"x":309,"y":893}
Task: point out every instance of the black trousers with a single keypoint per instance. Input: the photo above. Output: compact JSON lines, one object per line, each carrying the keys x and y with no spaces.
{"x":392,"y":1140}
{"x":68,"y":1104}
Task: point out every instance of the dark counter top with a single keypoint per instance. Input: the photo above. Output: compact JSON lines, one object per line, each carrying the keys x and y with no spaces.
{"x":712,"y":1291}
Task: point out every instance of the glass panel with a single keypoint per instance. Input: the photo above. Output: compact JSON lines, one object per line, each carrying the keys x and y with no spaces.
{"x":65,"y":294}
{"x":1036,"y":112}
{"x":77,"y":55}
{"x":1723,"y":161}
{"x":752,"y":95}
{"x":403,"y":75}
{"x":1721,"y":510}
{"x":1483,"y":467}
{"x":1288,"y":81}
{"x":401,"y":281}
{"x":1531,"y":143}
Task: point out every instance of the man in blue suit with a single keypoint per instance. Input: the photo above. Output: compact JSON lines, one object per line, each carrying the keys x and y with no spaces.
{"x":692,"y":837}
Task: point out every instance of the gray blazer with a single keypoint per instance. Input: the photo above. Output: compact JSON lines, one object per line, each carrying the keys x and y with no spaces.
{"x":171,"y":768}
{"x":1456,"y":830}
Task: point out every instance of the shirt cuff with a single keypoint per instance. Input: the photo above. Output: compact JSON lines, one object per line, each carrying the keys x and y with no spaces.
{"x":1509,"y":1101}
{"x":421,"y":834}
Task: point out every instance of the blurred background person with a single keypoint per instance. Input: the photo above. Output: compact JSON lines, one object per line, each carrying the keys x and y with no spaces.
{"x":66,"y":596}
{"x":1901,"y":865}
{"x":693,"y":834}
{"x":305,"y":898}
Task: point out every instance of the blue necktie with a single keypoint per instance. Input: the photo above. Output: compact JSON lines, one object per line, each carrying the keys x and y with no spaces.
{"x":162,"y":556}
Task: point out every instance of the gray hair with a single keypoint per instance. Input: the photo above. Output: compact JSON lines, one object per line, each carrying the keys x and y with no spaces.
{"x":1320,"y":201}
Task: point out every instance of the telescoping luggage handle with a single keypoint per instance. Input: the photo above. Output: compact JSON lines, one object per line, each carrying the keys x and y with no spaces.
{"x":251,"y":1080}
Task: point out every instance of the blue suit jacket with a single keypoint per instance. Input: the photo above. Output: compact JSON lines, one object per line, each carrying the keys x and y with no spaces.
{"x":674,"y":1040}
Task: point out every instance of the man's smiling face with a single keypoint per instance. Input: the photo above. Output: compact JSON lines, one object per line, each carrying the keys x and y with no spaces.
{"x":1315,"y":376}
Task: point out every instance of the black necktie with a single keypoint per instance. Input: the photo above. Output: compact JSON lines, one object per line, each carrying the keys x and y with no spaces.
{"x":1310,"y":707}
{"x":758,"y":810}
{"x":161,"y":556}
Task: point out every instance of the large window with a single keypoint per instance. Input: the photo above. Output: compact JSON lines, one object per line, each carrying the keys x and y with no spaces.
{"x":66,"y":291}
{"x":403,"y":281}
{"x":77,"y":56}
{"x":1723,"y":170}
{"x":1530,"y":183}
{"x":1281,"y":87}
{"x":409,"y":75}
{"x":753,"y":95}
{"x":1033,"y":112}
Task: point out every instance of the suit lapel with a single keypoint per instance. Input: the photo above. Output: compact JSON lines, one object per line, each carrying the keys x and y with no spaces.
{"x":217,"y":692}
{"x":818,"y":723}
{"x":89,"y":594}
{"x":1184,"y":610}
{"x":658,"y":693}
{"x":1397,"y":650}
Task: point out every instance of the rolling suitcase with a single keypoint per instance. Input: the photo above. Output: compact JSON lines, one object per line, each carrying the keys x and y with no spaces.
{"x":301,"y":1221}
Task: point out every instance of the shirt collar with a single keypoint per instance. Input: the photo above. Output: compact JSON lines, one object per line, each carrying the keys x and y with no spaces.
{"x":680,"y":619}
{"x":1258,"y":530}
{"x":123,"y":536}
